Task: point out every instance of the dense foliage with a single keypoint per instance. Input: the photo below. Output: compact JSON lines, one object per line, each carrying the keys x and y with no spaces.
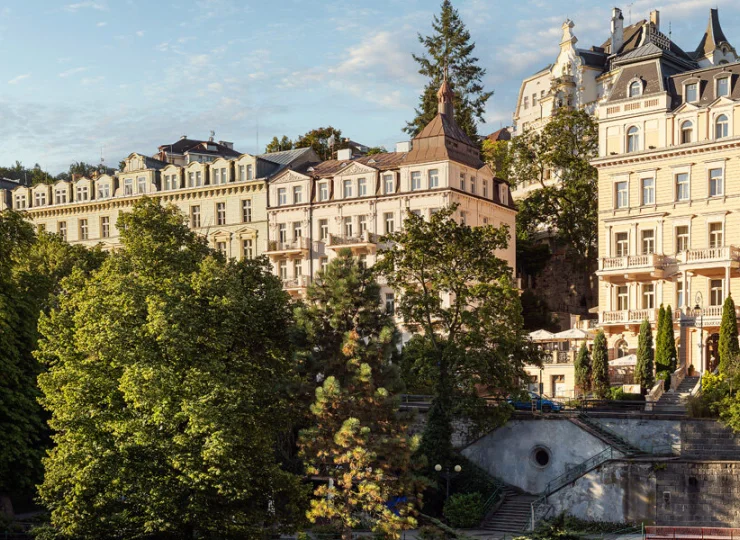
{"x":729,"y":349}
{"x":600,"y":366}
{"x":645,"y":357}
{"x":325,"y":141}
{"x":582,"y":369}
{"x":449,"y":50}
{"x":464,"y":510}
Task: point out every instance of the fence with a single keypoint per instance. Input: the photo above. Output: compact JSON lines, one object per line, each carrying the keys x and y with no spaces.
{"x":690,"y":533}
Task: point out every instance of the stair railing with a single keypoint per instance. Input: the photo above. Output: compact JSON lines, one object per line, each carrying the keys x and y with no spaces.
{"x":654,"y":395}
{"x":599,"y":427}
{"x":540,"y":511}
{"x":492,"y":500}
{"x":677,"y":378}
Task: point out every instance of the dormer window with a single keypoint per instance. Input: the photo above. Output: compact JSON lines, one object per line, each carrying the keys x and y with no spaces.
{"x":81,"y":193}
{"x":20,"y":202}
{"x":687,"y":132}
{"x":635,"y":89}
{"x":40,"y":199}
{"x":723,"y":87}
{"x":323,"y":191}
{"x":103,"y":191}
{"x":721,"y":127}
{"x":691,"y":92}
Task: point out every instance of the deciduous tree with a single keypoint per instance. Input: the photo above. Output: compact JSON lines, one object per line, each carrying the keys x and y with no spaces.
{"x":278,"y":145}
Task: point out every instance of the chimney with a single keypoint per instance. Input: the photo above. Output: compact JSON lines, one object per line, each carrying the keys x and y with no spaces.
{"x":617,"y":30}
{"x":655,"y":19}
{"x":183,"y":137}
{"x":344,"y":154}
{"x":403,"y":147}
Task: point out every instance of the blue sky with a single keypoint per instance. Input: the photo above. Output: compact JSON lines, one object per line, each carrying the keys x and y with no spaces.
{"x":128,"y":75}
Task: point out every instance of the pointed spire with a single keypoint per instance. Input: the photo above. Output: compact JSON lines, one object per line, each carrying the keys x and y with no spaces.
{"x":445,"y":96}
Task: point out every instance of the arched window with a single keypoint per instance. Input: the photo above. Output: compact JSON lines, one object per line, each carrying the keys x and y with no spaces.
{"x":621,"y":349}
{"x":721,"y":127}
{"x":633,"y":139}
{"x":635,"y":89}
{"x":687,"y":132}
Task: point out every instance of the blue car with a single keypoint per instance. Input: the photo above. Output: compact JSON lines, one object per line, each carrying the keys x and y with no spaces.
{"x":536,"y":402}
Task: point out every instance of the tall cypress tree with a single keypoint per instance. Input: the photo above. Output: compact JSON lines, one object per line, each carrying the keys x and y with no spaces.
{"x":600,"y":370}
{"x":670,"y":340}
{"x":449,"y":46}
{"x":645,"y":355}
{"x":583,"y":369}
{"x":729,"y":350}
{"x":661,"y":360}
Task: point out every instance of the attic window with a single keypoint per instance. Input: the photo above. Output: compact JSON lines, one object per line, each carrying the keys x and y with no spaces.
{"x":372,"y":161}
{"x":635,"y":89}
{"x":310,"y":169}
{"x":691,"y":93}
{"x":723,"y":87}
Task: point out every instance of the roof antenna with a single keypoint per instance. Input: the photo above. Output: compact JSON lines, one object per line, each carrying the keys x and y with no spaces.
{"x":257,"y":137}
{"x":629,"y":11}
{"x":670,"y":30}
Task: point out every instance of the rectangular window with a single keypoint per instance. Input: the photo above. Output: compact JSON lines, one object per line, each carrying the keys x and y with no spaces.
{"x":363,"y":224}
{"x":362,"y":261}
{"x":323,"y":229}
{"x":716,"y":183}
{"x":221,"y":213}
{"x":198,"y":178}
{"x":415,"y":180}
{"x":503,"y":194}
{"x":485,"y":189}
{"x":388,"y":186}
{"x":195,"y":216}
{"x":283,"y":233}
{"x":141,"y":184}
{"x":104,"y":191}
{"x":247,"y":249}
{"x":221,"y":248}
{"x":297,"y":268}
{"x":323,"y":191}
{"x":390,"y":303}
{"x":247,"y":210}
{"x":347,"y":226}
{"x":60,"y":196}
{"x":472,"y":185}
{"x":723,"y":87}
{"x":283,"y":269}
{"x":691,"y":93}
{"x":679,"y":293}
{"x":216,"y":176}
{"x":191,"y":179}
{"x":282,"y":196}
{"x":526,"y":102}
{"x":462,"y":181}
{"x":20,"y":202}
{"x":716,"y":296}
{"x":648,"y":242}
{"x":622,"y":298}
{"x":534,"y":99}
{"x":40,"y":199}
{"x":682,"y":187}
{"x":361,"y":187}
{"x":250,"y":172}
{"x":433,"y":178}
{"x":224,"y":176}
{"x":324,"y":263}
{"x":716,"y":235}
{"x":297,"y":194}
{"x":682,"y":238}
{"x":389,"y":222}
{"x":167,"y":182}
{"x":622,"y":195}
{"x":621,"y":244}
{"x":128,"y":187}
{"x":242,"y":173}
{"x":648,"y":296}
{"x":463,"y":217}
{"x":648,"y":191}
{"x":105,"y":227}
{"x":297,"y":230}
{"x":62,"y":229}
{"x":82,"y":193}
{"x":347,"y":191}
{"x":83,"y":229}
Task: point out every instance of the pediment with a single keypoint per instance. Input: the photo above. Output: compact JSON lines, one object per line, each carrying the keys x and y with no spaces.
{"x":221,"y":233}
{"x":246,"y":232}
{"x":290,"y":176}
{"x":171,"y":167}
{"x":356,"y":168}
{"x":686,"y":107}
{"x":721,"y":101}
{"x":486,"y":169}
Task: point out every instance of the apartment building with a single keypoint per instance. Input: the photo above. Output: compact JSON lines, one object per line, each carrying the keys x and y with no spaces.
{"x":318,"y":209}
{"x":223,"y":195}
{"x":669,"y":195}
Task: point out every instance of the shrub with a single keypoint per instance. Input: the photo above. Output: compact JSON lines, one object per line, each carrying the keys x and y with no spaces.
{"x":464,"y":510}
{"x":618,"y":394}
{"x":327,"y":531}
{"x":665,"y":376}
{"x":430,"y":532}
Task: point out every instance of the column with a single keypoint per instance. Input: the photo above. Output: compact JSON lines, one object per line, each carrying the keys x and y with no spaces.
{"x":608,"y":242}
{"x":659,"y":292}
{"x":727,"y":289}
{"x":659,"y":233}
{"x":635,"y":240}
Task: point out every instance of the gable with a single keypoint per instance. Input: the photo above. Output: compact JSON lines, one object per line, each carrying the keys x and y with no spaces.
{"x":290,"y":176}
{"x":356,"y":168}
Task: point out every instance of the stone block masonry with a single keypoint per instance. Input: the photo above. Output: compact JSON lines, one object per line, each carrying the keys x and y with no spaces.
{"x":708,"y":439}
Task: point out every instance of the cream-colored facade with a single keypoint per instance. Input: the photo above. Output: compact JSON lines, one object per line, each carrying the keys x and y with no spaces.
{"x":669,"y":203}
{"x":224,"y":200}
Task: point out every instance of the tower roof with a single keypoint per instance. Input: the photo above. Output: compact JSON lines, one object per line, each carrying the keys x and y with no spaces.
{"x":713,"y":37}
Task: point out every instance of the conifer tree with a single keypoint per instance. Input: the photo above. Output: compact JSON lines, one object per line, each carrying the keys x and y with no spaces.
{"x":645,"y":357}
{"x":729,"y":349}
{"x":583,"y":369}
{"x":449,"y":47}
{"x":671,"y":351}
{"x":600,"y":371}
{"x":355,"y":438}
{"x":662,"y":363}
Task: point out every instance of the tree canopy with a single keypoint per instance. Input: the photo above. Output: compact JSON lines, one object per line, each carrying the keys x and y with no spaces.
{"x":645,"y":357}
{"x":449,"y":48}
{"x":729,"y":349}
{"x":600,"y":366}
{"x":325,"y":141}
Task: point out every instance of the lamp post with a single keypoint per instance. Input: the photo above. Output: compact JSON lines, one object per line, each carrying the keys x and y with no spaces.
{"x":699,"y":299}
{"x":447,"y":475}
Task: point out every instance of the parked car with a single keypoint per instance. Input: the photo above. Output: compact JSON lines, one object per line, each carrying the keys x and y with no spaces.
{"x":536,"y":402}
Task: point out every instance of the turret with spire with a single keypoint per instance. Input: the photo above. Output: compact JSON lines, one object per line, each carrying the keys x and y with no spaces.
{"x":445,"y":97}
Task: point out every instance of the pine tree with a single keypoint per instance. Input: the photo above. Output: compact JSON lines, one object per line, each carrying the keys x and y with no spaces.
{"x":729,"y":350}
{"x":645,"y":357}
{"x":600,"y":371}
{"x":662,"y":362}
{"x":450,"y":47}
{"x":670,"y":340}
{"x":355,"y":437}
{"x":583,"y":369}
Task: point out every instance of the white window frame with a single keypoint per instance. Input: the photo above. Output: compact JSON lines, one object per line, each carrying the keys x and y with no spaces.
{"x":645,"y":190}
{"x":297,"y":194}
{"x":725,"y":126}
{"x":721,"y":182}
{"x":415,"y":184}
{"x":634,"y":84}
{"x":389,"y":181}
{"x":676,"y":244}
{"x":629,"y":147}
{"x":716,"y":86}
{"x":618,"y":243}
{"x":323,"y":191}
{"x":282,"y":196}
{"x":712,"y":234}
{"x":686,"y":86}
{"x":346,"y":189}
{"x":362,"y":187}
{"x":676,"y":188}
{"x":433,"y":178}
{"x":621,"y":202}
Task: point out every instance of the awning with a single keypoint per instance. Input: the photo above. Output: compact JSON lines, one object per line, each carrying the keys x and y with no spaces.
{"x":573,"y":333}
{"x":541,"y":335}
{"x":629,"y":360}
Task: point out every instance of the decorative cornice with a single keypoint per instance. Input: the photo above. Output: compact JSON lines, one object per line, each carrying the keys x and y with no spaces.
{"x":665,"y":153}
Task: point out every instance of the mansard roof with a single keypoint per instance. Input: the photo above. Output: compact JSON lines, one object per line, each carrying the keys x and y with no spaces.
{"x":707,"y":89}
{"x":713,"y":37}
{"x":185,"y":145}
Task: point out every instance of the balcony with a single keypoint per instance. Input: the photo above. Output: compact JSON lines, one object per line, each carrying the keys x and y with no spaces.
{"x":710,"y":258}
{"x":296,"y":286}
{"x":628,"y":316}
{"x":365,"y":242}
{"x":709,"y":317}
{"x":297,"y":247}
{"x":652,"y":264}
{"x":560,"y":357}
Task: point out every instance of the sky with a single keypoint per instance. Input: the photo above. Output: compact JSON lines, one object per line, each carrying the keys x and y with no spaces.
{"x":85,"y":78}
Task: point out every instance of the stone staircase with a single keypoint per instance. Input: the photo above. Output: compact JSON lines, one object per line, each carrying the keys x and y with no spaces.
{"x":676,"y":401}
{"x":513,"y":516}
{"x":593,"y":427}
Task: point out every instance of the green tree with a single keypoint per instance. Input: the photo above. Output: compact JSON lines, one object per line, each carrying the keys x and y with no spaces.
{"x":600,"y":367}
{"x":583,"y":369}
{"x":662,"y":360}
{"x":461,"y":298}
{"x":376,"y":150}
{"x":450,"y":48}
{"x":278,"y":145}
{"x":325,"y":141}
{"x":498,"y":155}
{"x":355,"y":438}
{"x":166,"y":387}
{"x":728,"y":347}
{"x":671,"y":353}
{"x":645,"y":357}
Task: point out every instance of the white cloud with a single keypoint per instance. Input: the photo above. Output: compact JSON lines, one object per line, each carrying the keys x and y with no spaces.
{"x":98,"y":6}
{"x":215,"y":87}
{"x":200,"y":60}
{"x":73,"y":71}
{"x":140,"y":33}
{"x":87,"y":81}
{"x":19,"y":78}
{"x":101,"y":24}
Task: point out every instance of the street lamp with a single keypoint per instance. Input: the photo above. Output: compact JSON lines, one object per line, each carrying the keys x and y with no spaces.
{"x":447,"y":475}
{"x":699,"y":299}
